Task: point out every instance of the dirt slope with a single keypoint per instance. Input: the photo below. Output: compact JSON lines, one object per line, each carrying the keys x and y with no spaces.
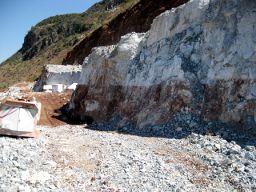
{"x":50,"y":102}
{"x":136,"y":19}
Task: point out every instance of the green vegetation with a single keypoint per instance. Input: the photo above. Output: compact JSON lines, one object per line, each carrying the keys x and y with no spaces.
{"x":51,"y":39}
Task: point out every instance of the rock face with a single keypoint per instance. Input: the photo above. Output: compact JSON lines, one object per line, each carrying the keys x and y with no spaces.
{"x":41,"y":37}
{"x":135,"y":19}
{"x":112,"y":4}
{"x":58,"y":74}
{"x":199,"y":58}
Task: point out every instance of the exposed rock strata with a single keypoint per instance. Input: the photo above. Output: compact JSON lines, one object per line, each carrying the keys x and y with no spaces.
{"x":199,"y":57}
{"x":58,"y":74}
{"x":136,"y":19}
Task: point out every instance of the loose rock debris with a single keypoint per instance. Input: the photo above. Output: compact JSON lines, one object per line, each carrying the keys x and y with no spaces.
{"x":75,"y":158}
{"x":99,"y":157}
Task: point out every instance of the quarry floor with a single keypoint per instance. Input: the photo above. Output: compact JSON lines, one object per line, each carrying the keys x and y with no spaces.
{"x":76,"y":158}
{"x":80,"y":158}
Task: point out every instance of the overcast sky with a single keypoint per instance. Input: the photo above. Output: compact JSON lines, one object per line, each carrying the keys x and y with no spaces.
{"x":18,"y":16}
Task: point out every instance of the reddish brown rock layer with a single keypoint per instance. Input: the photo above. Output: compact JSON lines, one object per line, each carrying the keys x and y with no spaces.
{"x":162,"y":101}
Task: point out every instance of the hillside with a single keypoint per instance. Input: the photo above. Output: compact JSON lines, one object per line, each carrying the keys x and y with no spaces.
{"x":137,"y":19}
{"x":51,"y":39}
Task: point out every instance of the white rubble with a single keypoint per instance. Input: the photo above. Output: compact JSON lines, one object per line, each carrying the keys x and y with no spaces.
{"x":72,"y":158}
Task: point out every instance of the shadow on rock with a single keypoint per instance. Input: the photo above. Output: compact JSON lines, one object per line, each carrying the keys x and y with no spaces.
{"x":182,"y":125}
{"x":66,"y":116}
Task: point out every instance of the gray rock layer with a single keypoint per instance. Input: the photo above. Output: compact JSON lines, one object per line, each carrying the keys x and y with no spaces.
{"x":199,"y":57}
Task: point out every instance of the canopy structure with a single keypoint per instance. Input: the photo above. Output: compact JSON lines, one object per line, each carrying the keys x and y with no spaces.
{"x":19,"y":118}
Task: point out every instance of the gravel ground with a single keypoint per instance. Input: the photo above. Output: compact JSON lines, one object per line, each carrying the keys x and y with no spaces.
{"x":75,"y":158}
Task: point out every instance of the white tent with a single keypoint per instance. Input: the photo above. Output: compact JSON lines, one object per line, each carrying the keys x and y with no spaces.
{"x":19,"y":118}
